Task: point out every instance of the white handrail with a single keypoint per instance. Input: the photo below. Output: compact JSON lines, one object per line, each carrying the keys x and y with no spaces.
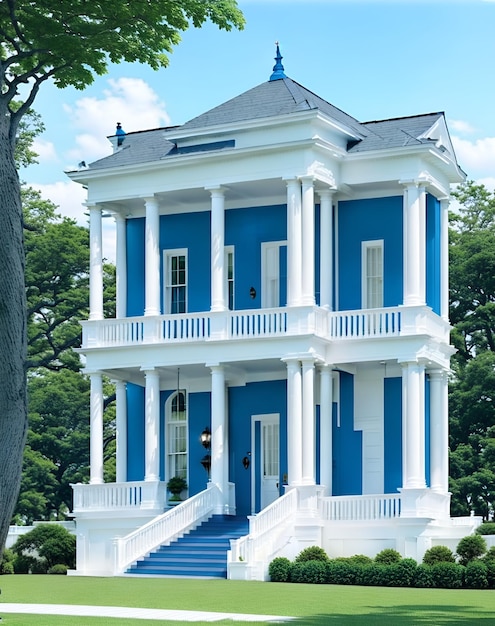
{"x":165,"y":528}
{"x":360,"y":508}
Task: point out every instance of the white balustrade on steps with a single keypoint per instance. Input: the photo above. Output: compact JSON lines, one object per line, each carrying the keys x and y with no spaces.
{"x":165,"y":528}
{"x":136,"y":495}
{"x":360,"y":508}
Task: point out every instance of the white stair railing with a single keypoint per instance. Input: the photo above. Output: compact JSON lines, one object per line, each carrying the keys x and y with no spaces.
{"x":360,"y":508}
{"x":264,"y":529}
{"x":165,"y":528}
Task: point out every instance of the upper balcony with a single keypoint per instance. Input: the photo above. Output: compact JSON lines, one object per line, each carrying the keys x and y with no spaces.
{"x":332,"y":327}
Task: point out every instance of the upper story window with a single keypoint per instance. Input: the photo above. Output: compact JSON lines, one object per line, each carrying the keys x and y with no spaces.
{"x":272,"y":293}
{"x":229,"y":277}
{"x":176,"y":437}
{"x":372,"y":274}
{"x":175,"y":265}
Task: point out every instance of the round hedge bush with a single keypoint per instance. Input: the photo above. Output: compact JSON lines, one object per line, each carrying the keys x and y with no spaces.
{"x":438,"y":554}
{"x":475,"y":575}
{"x":447,"y":575}
{"x":279,"y":570}
{"x":487,"y":528}
{"x":312,"y":553}
{"x":388,"y":556}
{"x":59,"y":568}
{"x":313,"y":572}
{"x":470,"y":548}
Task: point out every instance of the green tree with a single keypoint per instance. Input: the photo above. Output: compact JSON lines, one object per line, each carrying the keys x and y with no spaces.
{"x":68,"y":42}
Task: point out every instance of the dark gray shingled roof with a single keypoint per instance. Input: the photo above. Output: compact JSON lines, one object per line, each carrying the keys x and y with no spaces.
{"x":274,"y":98}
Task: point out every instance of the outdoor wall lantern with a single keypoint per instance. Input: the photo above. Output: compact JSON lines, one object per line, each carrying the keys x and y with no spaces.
{"x":252,"y":293}
{"x":205,"y":438}
{"x":206,"y":463}
{"x":246,"y":460}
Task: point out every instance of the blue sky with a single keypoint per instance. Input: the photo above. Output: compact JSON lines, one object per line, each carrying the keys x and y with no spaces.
{"x":374,"y":60}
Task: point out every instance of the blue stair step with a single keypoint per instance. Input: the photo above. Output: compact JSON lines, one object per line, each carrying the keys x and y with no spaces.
{"x":200,"y":552}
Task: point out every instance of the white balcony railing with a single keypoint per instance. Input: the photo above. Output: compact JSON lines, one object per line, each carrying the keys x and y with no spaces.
{"x":360,"y":508}
{"x":119,"y":496}
{"x":259,"y":323}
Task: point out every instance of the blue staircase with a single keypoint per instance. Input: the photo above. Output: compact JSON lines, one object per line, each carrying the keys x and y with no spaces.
{"x":201,"y":552}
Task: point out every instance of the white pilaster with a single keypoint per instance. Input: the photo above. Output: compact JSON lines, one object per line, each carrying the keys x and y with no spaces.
{"x":294,"y":240}
{"x":151,"y":426}
{"x":326,"y":412}
{"x":326,"y":249}
{"x":121,"y":430}
{"x":439,"y":431}
{"x":96,"y":429}
{"x":308,"y":241}
{"x":217,"y":250}
{"x":218,"y":433}
{"x":95,"y":264}
{"x":121,"y":266}
{"x":308,"y":422}
{"x":294,"y":421}
{"x":413,"y":426}
{"x":444,"y":259}
{"x":414,"y":245}
{"x":152,"y":258}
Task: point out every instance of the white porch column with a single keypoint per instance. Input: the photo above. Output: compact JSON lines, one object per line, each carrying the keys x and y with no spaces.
{"x":326,"y":249}
{"x":308,"y":422}
{"x":439,"y":431}
{"x":152,"y":258}
{"x":308,"y":241}
{"x":413,"y":426}
{"x":294,"y":241}
{"x":444,"y":259}
{"x":218,"y":433}
{"x":121,"y":431}
{"x":95,"y":264}
{"x":121,"y":266}
{"x":414,"y":245}
{"x":294,"y":421}
{"x":151,"y":426}
{"x":217,"y":250}
{"x":326,"y":413}
{"x":96,"y":429}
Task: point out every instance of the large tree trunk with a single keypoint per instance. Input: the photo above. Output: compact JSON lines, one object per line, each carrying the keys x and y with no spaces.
{"x":13,"y":404}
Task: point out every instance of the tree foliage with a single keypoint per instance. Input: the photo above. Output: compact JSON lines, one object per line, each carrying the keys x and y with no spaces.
{"x":67,"y":42}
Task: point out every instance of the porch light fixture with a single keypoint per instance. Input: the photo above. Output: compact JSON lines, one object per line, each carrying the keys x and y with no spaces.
{"x":206,"y":463}
{"x":205,"y":438}
{"x":246,"y":460}
{"x":252,"y":293}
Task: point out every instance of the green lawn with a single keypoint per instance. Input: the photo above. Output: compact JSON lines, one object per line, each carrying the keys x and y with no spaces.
{"x":312,"y":605}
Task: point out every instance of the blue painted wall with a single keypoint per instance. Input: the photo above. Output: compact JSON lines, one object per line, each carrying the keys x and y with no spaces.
{"x":347,"y":444}
{"x":427,"y":433}
{"x":135,"y":432}
{"x":253,"y":399}
{"x":433,"y":253}
{"x":392,"y":389}
{"x":365,"y":220}
{"x":199,"y":417}
{"x":135,"y":266}
{"x":246,"y":229}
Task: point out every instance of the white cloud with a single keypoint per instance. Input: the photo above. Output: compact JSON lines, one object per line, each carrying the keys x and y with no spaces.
{"x":45,"y":150}
{"x":130,"y":101}
{"x":477,"y":158}
{"x":460,"y":126}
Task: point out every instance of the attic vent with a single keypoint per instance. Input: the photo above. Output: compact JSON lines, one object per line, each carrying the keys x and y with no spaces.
{"x":203,"y":147}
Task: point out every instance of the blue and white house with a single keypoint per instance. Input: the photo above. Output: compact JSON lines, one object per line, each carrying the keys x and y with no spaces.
{"x":282,"y":287}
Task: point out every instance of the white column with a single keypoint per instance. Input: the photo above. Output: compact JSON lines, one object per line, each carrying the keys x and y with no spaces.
{"x":95,"y":264}
{"x":151,"y":426}
{"x":308,"y":422}
{"x":439,"y":431}
{"x":218,"y":433}
{"x":217,"y":250}
{"x":326,"y":249}
{"x":294,"y":241}
{"x":121,"y":266}
{"x":444,"y":259}
{"x":294,"y":421}
{"x":326,"y":412}
{"x":414,"y":245}
{"x":121,"y":431}
{"x":308,"y":241}
{"x":152,"y":258}
{"x":96,"y":429}
{"x":413,"y":426}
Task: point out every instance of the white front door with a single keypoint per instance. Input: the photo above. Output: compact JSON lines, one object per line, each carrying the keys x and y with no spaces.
{"x":266,"y":461}
{"x":274,"y":274}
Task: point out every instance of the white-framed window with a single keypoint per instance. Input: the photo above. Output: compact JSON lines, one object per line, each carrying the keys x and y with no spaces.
{"x":229,"y":277}
{"x":176,"y":435}
{"x":175,"y":274}
{"x":372,"y":274}
{"x":270,"y":272}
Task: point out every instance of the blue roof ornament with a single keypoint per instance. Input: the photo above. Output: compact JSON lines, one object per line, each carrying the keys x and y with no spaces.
{"x":278,"y":68}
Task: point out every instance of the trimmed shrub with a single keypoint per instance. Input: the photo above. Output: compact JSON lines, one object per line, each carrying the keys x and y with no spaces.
{"x":470,"y":548}
{"x":438,"y":554}
{"x":388,"y":556}
{"x":375,"y":575}
{"x":403,"y":573}
{"x":446,"y":575}
{"x":423,"y":577}
{"x":44,"y":546}
{"x":7,"y":562}
{"x":487,"y":528}
{"x":360,"y":559}
{"x":489,"y":556}
{"x":342,"y":572}
{"x":279,"y":570}
{"x":22,"y":564}
{"x":313,"y":572}
{"x":312,"y":553}
{"x":475,"y":575}
{"x":58,"y":569}
{"x":490,"y":573}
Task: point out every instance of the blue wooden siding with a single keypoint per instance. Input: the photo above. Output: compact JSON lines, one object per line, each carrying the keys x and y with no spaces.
{"x":392,"y":390}
{"x":433,"y":253}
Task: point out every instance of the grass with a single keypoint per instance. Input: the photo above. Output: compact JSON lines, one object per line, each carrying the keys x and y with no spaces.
{"x":311,"y":605}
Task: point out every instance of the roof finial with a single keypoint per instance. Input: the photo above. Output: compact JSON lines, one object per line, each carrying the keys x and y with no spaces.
{"x":278,"y":68}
